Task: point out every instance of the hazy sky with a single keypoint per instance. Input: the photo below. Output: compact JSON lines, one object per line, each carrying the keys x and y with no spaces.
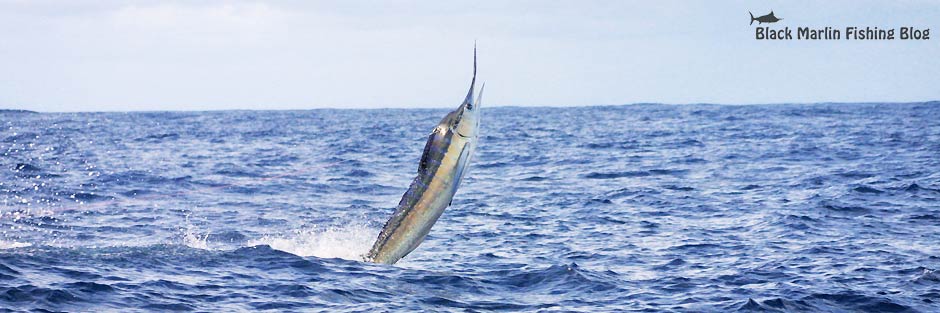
{"x":199,"y":55}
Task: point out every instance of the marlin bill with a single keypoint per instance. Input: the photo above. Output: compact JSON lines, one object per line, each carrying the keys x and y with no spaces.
{"x":443,"y":164}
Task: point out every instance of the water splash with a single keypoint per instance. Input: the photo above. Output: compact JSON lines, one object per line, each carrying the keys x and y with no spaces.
{"x":348,"y":242}
{"x":193,"y":239}
{"x":193,"y":236}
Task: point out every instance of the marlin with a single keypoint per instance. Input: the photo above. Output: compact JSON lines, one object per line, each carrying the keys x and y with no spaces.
{"x":443,"y":165}
{"x":769,"y":18}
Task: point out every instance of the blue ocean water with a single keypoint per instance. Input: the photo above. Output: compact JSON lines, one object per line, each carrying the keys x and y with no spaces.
{"x":822,"y":208}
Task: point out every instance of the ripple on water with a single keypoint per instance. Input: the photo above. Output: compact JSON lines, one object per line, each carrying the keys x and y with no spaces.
{"x":698,"y":208}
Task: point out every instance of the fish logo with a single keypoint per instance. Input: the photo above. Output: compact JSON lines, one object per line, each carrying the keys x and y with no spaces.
{"x":769,"y":18}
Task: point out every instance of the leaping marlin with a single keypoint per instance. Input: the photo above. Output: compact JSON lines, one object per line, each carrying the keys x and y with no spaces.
{"x":443,"y":164}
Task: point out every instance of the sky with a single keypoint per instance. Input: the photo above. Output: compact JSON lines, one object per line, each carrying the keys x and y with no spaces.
{"x":217,"y":55}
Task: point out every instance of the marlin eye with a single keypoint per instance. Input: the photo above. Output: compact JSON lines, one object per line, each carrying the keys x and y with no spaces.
{"x":469,"y":106}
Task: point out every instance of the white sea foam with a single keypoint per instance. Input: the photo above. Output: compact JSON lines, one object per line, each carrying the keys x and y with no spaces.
{"x":348,"y":242}
{"x":13,"y":244}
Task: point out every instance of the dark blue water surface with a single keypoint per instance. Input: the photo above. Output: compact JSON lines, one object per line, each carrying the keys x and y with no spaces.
{"x":822,"y":208}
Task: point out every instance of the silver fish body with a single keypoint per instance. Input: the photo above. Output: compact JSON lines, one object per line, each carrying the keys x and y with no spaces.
{"x":443,"y":165}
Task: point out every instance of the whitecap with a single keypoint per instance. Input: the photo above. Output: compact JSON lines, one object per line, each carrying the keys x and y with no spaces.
{"x":348,"y":242}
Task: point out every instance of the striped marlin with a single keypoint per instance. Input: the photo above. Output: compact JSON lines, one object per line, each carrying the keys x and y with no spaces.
{"x":443,"y":164}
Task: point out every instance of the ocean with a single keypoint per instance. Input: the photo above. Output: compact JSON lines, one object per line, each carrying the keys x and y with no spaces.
{"x":689,"y":208}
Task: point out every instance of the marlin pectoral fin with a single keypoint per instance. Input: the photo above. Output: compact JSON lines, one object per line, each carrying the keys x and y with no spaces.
{"x":462,"y":162}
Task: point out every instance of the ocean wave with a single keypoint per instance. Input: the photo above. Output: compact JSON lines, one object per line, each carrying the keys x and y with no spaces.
{"x":693,"y":208}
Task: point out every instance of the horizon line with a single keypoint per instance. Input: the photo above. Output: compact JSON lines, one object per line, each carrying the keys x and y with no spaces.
{"x":2,"y":110}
